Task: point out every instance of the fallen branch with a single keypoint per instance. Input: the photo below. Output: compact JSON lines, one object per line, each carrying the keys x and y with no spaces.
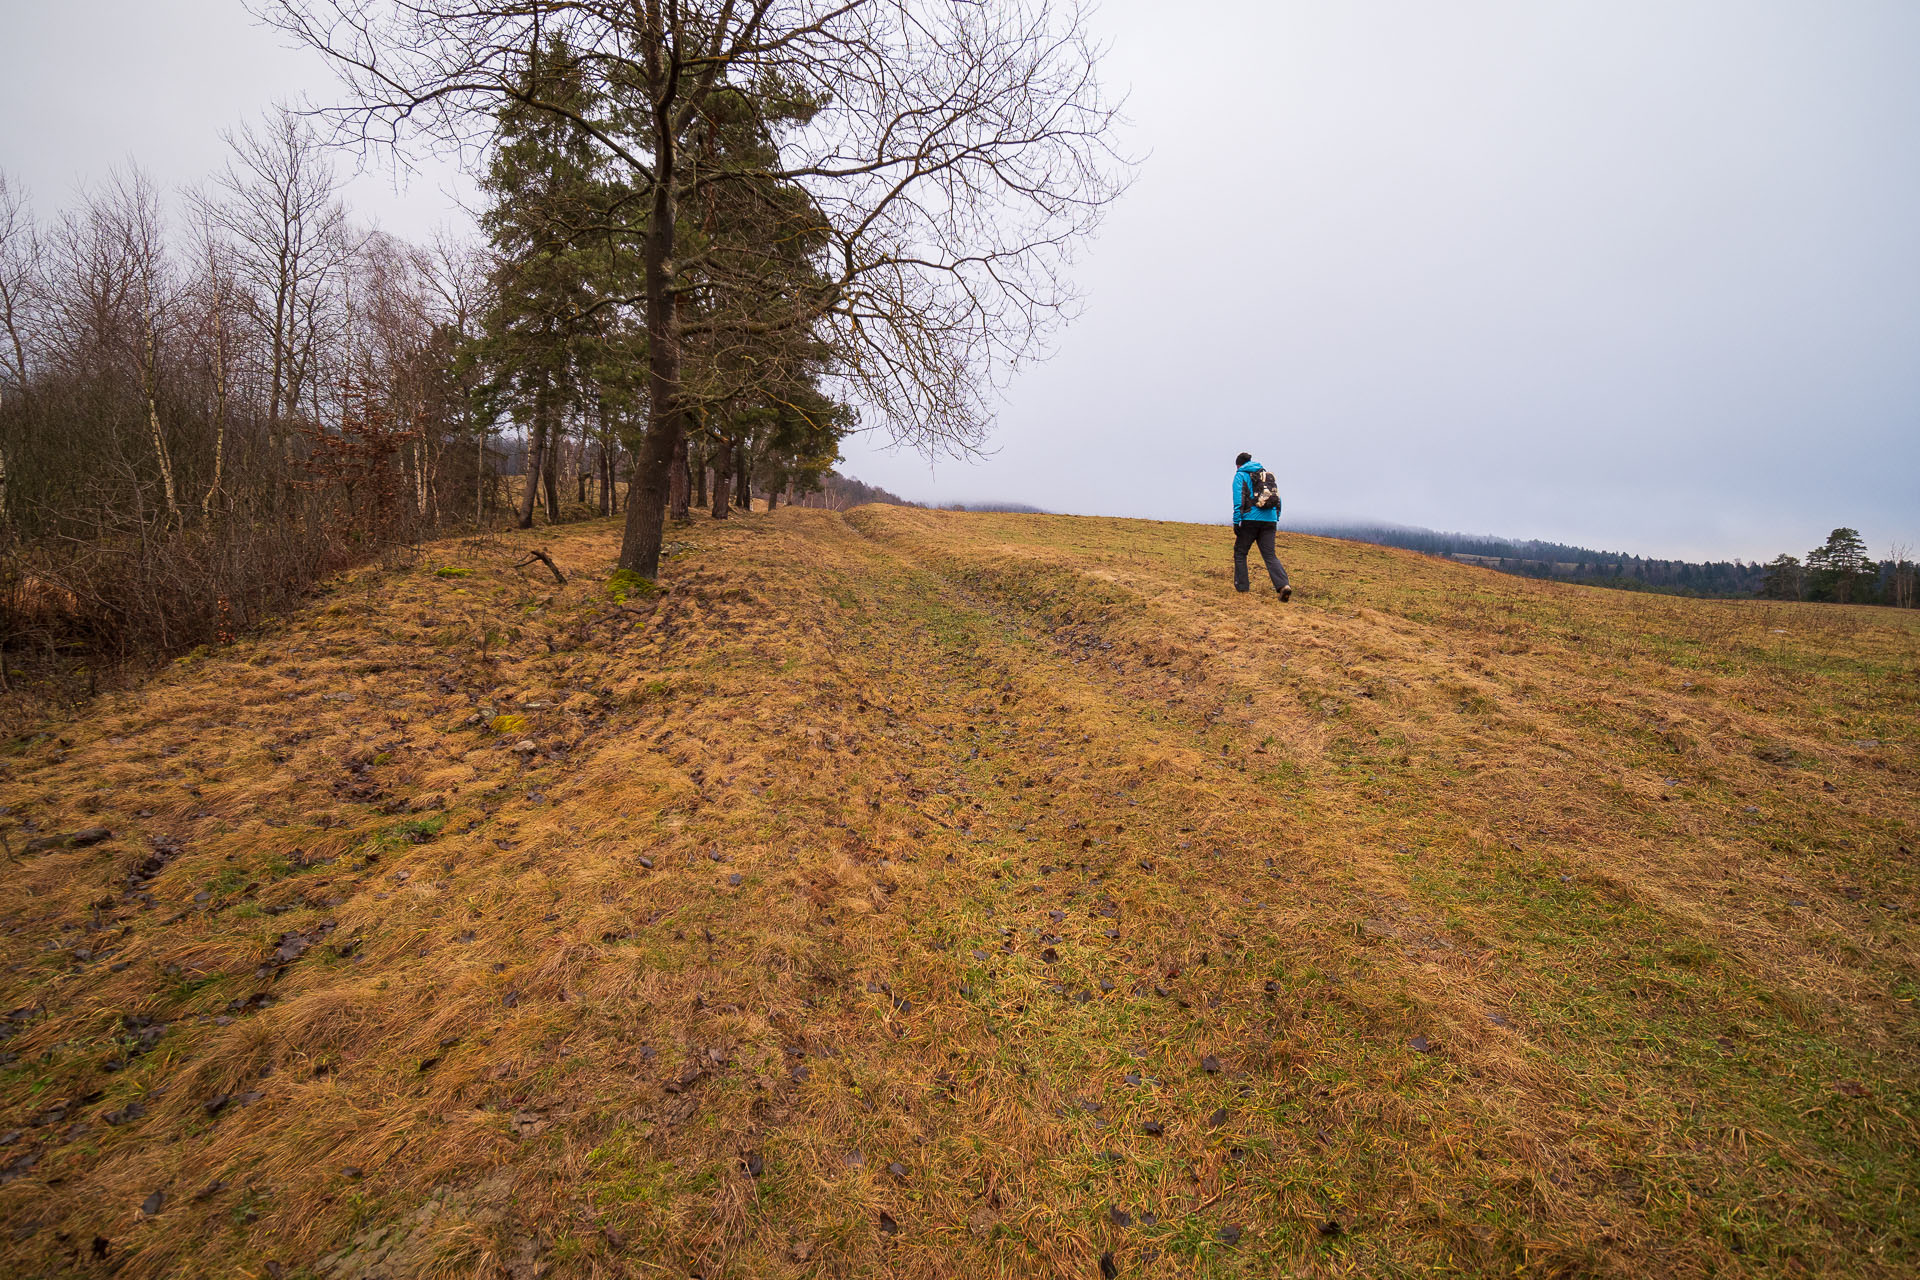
{"x":545,"y":559}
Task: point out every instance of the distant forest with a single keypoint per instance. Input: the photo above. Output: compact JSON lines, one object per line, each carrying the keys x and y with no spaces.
{"x":838,"y":493}
{"x":1840,"y":571}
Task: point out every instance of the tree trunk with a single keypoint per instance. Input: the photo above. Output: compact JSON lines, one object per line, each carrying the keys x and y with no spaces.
{"x":743,"y":478}
{"x":679,"y":479}
{"x":536,"y":447}
{"x":773,"y":498}
{"x":219,"y":354}
{"x":722,"y":477}
{"x":647,"y":495}
{"x":550,"y":474}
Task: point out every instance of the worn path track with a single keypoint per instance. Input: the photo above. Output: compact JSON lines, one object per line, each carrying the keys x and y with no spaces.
{"x":910,"y":893}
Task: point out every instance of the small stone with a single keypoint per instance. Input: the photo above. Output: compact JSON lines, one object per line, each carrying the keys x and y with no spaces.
{"x":735,"y":879}
{"x":887,"y":1224}
{"x":1230,"y":1234}
{"x":756,"y":1164}
{"x":1210,"y":1065}
{"x":1153,"y":1128}
{"x":898,"y":1170}
{"x":525,"y":747}
{"x":154,"y":1203}
{"x":646,"y":862}
{"x":1420,"y":1044}
{"x":1118,"y":1216}
{"x":1218,"y":1118}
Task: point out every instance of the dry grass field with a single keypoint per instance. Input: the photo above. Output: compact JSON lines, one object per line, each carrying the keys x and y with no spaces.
{"x":922,"y":894}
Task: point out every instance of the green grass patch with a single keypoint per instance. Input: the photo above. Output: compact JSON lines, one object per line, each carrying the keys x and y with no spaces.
{"x":625,"y":585}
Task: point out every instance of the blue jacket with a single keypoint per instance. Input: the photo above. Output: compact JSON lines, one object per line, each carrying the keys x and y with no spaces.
{"x":1242,"y":496}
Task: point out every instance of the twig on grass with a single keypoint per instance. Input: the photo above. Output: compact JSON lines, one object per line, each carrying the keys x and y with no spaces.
{"x":545,"y":559}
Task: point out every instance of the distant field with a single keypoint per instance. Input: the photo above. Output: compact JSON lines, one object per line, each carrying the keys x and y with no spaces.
{"x":953,"y":894}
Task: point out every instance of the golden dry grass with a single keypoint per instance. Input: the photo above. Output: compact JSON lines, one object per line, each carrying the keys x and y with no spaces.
{"x":936,"y":894}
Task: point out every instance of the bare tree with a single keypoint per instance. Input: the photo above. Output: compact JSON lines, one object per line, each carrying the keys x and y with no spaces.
{"x":456,"y":273}
{"x":115,"y":303}
{"x":20,"y":301}
{"x":216,"y":300}
{"x":955,"y":153}
{"x":276,"y":200}
{"x":1901,"y":589}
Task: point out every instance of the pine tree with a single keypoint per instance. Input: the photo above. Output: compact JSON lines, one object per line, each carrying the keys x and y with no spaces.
{"x":1838,"y":571}
{"x":544,"y":337}
{"x":1783,"y":580}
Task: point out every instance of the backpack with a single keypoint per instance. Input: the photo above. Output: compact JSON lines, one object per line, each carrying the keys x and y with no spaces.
{"x":1263,"y":492}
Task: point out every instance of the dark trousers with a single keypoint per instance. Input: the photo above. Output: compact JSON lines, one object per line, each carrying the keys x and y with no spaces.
{"x":1244,"y":536}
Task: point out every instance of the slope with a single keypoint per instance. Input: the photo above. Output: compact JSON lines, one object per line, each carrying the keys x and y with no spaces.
{"x":924,"y":893}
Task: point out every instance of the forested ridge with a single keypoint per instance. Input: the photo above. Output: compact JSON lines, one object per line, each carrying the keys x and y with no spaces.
{"x":1840,"y":571}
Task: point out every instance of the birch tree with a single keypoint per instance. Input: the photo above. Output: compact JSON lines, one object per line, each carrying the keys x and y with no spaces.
{"x":276,"y":199}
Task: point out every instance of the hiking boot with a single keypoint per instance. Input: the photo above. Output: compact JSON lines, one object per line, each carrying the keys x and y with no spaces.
{"x":1286,"y":594}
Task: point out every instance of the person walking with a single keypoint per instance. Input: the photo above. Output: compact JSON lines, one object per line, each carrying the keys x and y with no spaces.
{"x":1256,"y":514}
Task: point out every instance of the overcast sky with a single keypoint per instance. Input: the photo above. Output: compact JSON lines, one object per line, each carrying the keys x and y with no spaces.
{"x":1642,"y":275}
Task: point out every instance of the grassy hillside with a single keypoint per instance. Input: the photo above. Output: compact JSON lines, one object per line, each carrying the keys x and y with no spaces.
{"x":931,"y":894}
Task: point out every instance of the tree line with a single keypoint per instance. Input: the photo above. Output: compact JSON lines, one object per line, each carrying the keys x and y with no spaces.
{"x":718,"y":236}
{"x":880,"y":196}
{"x":207,"y":400}
{"x":1842,"y":571}
{"x":1839,"y":571}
